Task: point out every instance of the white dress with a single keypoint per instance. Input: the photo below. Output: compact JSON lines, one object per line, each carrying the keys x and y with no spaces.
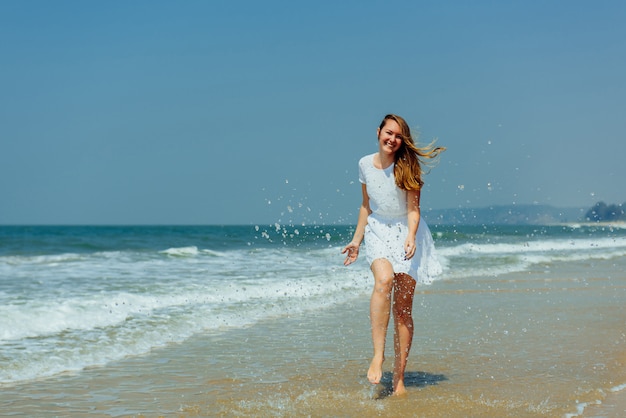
{"x":387,"y":226}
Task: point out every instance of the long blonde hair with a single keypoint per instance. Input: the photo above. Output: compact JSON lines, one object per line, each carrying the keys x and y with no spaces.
{"x":409,"y":158}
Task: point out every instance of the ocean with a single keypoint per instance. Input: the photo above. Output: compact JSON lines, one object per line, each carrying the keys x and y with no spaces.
{"x":79,"y":300}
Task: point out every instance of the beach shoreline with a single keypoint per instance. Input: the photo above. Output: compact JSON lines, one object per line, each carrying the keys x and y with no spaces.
{"x":480,"y":348}
{"x":525,"y":322}
{"x":612,"y":406}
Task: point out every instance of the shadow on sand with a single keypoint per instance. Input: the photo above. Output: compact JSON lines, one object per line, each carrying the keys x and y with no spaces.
{"x":411,"y":379}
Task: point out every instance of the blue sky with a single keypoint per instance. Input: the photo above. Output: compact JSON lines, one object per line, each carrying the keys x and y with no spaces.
{"x":212,"y":112}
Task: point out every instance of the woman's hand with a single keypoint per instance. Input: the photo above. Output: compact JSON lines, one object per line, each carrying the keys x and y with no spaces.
{"x":409,"y":248}
{"x":353,"y":253}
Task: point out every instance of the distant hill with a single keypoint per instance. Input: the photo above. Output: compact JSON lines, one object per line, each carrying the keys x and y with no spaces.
{"x":505,"y":215}
{"x":601,"y":212}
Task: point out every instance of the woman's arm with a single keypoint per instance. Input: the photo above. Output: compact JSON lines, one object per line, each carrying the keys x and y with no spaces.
{"x":353,"y":247}
{"x":413,"y":215}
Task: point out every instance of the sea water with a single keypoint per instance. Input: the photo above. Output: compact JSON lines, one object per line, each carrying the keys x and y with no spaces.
{"x":78,"y":296}
{"x":74,"y":297}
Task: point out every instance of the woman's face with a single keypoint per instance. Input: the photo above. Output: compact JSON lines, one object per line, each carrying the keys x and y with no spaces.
{"x":389,"y":137}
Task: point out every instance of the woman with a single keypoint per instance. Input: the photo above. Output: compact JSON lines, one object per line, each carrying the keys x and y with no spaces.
{"x":399,"y":246}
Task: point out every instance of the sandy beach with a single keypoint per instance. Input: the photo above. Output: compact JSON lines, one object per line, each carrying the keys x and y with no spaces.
{"x":546,"y":343}
{"x":613,"y":406}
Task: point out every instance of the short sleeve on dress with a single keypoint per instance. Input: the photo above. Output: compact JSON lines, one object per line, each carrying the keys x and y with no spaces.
{"x":361,"y":173}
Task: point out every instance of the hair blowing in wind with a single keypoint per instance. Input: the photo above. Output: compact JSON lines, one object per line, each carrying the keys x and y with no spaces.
{"x":409,"y":158}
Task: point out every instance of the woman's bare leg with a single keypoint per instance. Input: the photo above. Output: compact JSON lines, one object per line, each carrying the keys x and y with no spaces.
{"x":403,"y":292}
{"x":380,"y":307}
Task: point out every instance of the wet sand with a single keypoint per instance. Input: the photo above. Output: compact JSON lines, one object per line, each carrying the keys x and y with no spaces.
{"x":538,"y":344}
{"x":614,"y":406}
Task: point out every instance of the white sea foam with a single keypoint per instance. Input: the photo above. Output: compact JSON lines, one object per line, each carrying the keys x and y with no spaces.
{"x":46,"y":317}
{"x":580,"y":409}
{"x":543,"y":246}
{"x":109,"y":305}
{"x":182,"y":251}
{"x":476,"y":259}
{"x":41,"y":259}
{"x":603,"y":225}
{"x":214,"y":253}
{"x":618,"y":388}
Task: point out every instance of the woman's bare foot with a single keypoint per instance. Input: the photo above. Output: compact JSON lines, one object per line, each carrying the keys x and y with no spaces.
{"x":398,"y":388}
{"x":375,"y":372}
